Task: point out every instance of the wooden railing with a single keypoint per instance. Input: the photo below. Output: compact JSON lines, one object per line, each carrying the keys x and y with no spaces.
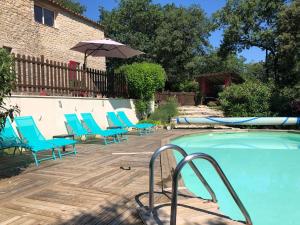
{"x":36,"y":75}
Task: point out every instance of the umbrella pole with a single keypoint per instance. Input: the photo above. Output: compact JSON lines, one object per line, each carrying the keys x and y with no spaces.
{"x":84,"y":62}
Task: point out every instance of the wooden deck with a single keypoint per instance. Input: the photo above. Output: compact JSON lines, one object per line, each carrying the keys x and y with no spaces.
{"x":94,"y":187}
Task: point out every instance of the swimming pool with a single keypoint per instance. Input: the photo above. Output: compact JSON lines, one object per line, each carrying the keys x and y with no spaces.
{"x":263,"y":168}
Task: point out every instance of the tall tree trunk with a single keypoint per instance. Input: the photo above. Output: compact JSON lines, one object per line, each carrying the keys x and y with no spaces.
{"x":275,"y":65}
{"x":266,"y":64}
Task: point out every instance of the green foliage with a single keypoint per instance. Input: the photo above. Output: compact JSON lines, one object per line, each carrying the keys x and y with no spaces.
{"x":7,"y":79}
{"x":156,"y":122}
{"x":165,"y":111}
{"x":170,"y":35}
{"x":213,"y":63}
{"x":189,"y":86}
{"x":141,"y":107}
{"x":73,"y":5}
{"x":212,"y":104}
{"x":272,"y":26}
{"x":182,"y":35}
{"x":251,"y":98}
{"x":256,"y":71}
{"x":282,"y":101}
{"x":143,"y":79}
{"x":132,"y":22}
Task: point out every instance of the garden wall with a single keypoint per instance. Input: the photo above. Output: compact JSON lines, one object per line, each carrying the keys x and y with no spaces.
{"x":48,"y":112}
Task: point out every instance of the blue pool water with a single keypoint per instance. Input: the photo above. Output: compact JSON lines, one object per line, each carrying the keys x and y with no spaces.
{"x":263,"y":168}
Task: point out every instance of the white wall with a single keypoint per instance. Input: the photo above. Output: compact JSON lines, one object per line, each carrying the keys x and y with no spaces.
{"x":48,"y":112}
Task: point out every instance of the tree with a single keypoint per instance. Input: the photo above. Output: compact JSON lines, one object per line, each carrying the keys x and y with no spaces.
{"x":134,"y":23}
{"x":255,"y":70}
{"x":7,"y":81}
{"x":168,"y":35}
{"x":288,"y":29}
{"x":182,"y":35}
{"x":272,"y":26}
{"x":73,"y":5}
{"x":213,"y":63}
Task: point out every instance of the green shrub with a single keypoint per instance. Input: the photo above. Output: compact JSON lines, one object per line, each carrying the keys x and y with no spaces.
{"x":141,"y":108}
{"x":251,"y":98}
{"x":7,"y":80}
{"x":283,"y":100}
{"x":156,"y":122}
{"x":143,"y":79}
{"x":212,"y":104}
{"x":166,"y":111}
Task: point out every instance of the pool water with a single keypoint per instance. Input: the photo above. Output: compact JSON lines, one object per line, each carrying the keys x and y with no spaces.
{"x":263,"y":168}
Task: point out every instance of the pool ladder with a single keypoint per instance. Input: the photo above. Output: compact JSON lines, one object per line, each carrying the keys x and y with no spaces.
{"x":188,"y":159}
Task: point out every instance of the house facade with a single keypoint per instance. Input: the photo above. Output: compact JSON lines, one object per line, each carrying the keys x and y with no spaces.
{"x":44,"y":27}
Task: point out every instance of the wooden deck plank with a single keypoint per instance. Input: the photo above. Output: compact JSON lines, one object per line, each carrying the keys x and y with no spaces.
{"x":90,"y":188}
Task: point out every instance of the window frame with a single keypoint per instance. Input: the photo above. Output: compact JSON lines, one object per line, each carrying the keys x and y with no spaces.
{"x":43,"y":15}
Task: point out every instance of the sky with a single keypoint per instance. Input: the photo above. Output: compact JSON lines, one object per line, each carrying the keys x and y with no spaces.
{"x":209,"y":6}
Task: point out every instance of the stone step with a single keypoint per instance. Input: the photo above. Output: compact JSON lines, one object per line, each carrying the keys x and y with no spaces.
{"x":200,"y":114}
{"x":199,"y":111}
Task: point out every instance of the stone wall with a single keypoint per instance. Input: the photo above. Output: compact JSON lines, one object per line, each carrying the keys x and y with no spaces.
{"x":19,"y":31}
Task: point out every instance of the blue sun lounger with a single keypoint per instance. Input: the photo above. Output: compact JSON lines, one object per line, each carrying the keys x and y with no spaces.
{"x":9,"y":138}
{"x":76,"y":128}
{"x":36,"y":142}
{"x":91,"y":124}
{"x":113,"y":119}
{"x":128,"y":123}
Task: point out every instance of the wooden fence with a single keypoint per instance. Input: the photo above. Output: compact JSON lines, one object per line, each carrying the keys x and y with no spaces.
{"x":183,"y":98}
{"x":46,"y":77}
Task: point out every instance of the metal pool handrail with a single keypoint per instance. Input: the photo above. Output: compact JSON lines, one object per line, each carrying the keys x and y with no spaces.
{"x":213,"y":162}
{"x":194,"y":168}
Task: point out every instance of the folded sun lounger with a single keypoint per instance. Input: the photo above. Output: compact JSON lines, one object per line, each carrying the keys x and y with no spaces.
{"x":36,"y":142}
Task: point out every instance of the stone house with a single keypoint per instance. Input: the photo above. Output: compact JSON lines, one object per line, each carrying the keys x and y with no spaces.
{"x":44,"y":27}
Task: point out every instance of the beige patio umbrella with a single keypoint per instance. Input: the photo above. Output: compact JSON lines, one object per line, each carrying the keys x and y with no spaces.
{"x":105,"y":48}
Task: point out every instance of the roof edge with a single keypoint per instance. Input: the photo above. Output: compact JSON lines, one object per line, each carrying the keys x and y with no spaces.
{"x":57,"y":4}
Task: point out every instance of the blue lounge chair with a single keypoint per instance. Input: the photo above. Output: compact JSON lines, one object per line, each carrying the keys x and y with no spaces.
{"x":75,"y":127}
{"x":36,"y":142}
{"x":128,"y":123}
{"x":9,"y":138}
{"x":91,"y":124}
{"x":115,"y":121}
